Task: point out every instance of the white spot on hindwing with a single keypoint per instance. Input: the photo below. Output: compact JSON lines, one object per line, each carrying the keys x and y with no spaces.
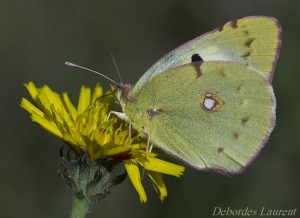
{"x":210,"y":102}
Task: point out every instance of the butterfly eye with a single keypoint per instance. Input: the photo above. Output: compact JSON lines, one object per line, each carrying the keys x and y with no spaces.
{"x":196,"y":58}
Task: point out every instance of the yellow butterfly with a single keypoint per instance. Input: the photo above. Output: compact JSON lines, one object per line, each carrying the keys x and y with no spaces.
{"x":210,"y":101}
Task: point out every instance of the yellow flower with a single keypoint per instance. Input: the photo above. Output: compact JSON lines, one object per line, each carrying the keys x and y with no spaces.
{"x":87,"y":128}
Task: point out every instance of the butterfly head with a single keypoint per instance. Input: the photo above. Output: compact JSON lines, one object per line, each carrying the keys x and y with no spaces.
{"x":122,"y":91}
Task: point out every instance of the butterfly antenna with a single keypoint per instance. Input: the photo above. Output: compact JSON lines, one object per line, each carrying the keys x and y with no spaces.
{"x":93,"y":71}
{"x":116,"y":66}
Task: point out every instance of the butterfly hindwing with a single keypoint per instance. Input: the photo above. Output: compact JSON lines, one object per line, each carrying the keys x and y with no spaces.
{"x":216,"y":115}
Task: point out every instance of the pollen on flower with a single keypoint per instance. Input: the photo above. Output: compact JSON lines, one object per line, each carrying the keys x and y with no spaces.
{"x":85,"y":128}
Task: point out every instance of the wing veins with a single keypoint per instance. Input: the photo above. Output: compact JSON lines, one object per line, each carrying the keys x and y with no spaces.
{"x":178,"y":147}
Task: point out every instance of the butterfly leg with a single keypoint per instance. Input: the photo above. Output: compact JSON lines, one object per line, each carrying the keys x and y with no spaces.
{"x":149,"y":147}
{"x":129,"y":133}
{"x":122,"y":116}
{"x":148,"y":150}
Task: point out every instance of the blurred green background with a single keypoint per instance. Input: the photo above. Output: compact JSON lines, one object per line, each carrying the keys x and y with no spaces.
{"x":37,"y":36}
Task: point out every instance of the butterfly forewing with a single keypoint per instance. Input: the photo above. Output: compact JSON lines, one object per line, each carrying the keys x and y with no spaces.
{"x":251,"y":41}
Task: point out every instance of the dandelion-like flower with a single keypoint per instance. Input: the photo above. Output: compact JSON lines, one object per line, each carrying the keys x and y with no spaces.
{"x":87,"y":130}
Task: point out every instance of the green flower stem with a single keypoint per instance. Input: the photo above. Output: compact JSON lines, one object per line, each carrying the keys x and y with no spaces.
{"x":80,"y":207}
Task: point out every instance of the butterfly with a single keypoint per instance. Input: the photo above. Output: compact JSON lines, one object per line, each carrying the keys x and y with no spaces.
{"x":210,"y":102}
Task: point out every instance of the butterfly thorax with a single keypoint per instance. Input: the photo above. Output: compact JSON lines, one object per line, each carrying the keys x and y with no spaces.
{"x":130,"y":107}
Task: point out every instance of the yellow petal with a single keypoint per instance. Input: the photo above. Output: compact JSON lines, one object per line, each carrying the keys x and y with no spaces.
{"x":134,"y":175}
{"x":47,"y":96}
{"x":70,"y":107}
{"x":161,"y":166}
{"x":97,"y":93}
{"x":32,"y":90}
{"x":30,"y":107}
{"x":38,"y":117}
{"x":52,"y":104}
{"x":111,"y":149}
{"x":47,"y":125}
{"x":84,"y":99}
{"x":158,"y":184}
